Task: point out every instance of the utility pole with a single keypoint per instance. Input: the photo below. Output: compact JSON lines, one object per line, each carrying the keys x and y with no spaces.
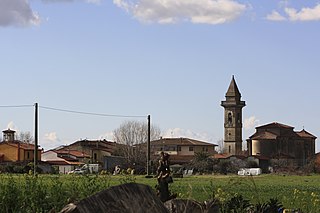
{"x":148,"y":148}
{"x":35,"y":139}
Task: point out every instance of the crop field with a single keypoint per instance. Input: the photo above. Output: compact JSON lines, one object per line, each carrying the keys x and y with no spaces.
{"x":25,"y":193}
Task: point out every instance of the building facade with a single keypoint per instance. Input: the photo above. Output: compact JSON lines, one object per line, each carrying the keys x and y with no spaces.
{"x":181,"y":150}
{"x":12,"y":150}
{"x":233,"y":120}
{"x":280,"y":141}
{"x":96,"y":149}
{"x":64,"y":163}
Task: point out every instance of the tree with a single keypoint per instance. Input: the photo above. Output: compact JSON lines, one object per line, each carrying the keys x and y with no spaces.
{"x":25,"y":137}
{"x":202,"y":162}
{"x":130,"y":135}
{"x":220,"y":144}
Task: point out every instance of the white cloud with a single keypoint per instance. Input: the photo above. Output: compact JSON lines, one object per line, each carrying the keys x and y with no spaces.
{"x":250,"y":123}
{"x":292,"y":14}
{"x":50,"y":140}
{"x":17,"y":13}
{"x":109,"y":136}
{"x":60,"y":1}
{"x":12,"y":126}
{"x":305,"y":14}
{"x":122,"y":4}
{"x":173,"y":11}
{"x":52,"y":136}
{"x":275,"y":16}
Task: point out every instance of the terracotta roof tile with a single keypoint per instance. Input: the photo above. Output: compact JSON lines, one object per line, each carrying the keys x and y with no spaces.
{"x":275,"y":125}
{"x":63,"y":162}
{"x":264,"y":136}
{"x":181,"y":141}
{"x":304,"y":134}
{"x":221,"y":156}
{"x":75,"y":153}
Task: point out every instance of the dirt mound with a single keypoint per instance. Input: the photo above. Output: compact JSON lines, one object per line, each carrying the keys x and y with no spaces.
{"x":126,"y":198}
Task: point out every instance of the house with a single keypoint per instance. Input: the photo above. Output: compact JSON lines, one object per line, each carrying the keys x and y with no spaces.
{"x":280,"y":141}
{"x":181,"y":150}
{"x":95,"y":149}
{"x":65,"y":163}
{"x":12,"y":150}
{"x":73,"y":155}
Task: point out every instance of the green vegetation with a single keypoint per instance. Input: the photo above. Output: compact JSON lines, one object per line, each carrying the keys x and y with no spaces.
{"x":25,"y":193}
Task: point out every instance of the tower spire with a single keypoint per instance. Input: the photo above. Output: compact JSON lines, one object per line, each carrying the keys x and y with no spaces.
{"x":233,"y":90}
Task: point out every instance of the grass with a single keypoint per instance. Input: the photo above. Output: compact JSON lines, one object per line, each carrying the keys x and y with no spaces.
{"x":24,"y":193}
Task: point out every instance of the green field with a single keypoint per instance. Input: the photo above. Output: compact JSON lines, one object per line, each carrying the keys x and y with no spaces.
{"x":24,"y":193}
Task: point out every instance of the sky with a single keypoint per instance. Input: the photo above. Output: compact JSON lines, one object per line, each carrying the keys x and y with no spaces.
{"x":172,"y":59}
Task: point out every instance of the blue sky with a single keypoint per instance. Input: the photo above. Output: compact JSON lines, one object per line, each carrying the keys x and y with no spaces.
{"x":172,"y":59}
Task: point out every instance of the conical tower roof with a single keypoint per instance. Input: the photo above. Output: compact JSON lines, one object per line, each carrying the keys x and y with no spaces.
{"x":233,"y":90}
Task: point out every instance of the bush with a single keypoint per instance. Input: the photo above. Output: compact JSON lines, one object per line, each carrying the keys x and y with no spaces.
{"x":202,"y":163}
{"x":227,"y":166}
{"x":252,"y":164}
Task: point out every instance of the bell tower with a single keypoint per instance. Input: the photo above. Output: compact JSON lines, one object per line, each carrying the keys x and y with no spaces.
{"x":233,"y":119}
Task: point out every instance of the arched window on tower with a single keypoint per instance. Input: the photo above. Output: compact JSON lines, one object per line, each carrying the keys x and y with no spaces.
{"x":229,"y":118}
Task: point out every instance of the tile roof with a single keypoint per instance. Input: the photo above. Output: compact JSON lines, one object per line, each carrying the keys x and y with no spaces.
{"x":75,"y":153}
{"x":181,"y":141}
{"x":63,"y":162}
{"x":221,"y":156}
{"x":264,"y":135}
{"x":8,"y":131}
{"x":304,"y":134}
{"x":275,"y":125}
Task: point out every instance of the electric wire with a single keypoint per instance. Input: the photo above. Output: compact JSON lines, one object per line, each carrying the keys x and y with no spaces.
{"x":92,"y":113}
{"x":16,"y":106}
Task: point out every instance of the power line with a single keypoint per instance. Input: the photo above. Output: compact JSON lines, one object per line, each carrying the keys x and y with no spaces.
{"x":92,"y":113}
{"x":16,"y":106}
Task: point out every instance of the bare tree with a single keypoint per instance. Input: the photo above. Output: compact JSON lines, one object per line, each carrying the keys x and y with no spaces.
{"x":130,"y":135}
{"x":220,"y":146}
{"x":25,"y":137}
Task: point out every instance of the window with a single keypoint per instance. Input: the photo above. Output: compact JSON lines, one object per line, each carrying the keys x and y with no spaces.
{"x":28,"y":155}
{"x":95,"y":156}
{"x":179,"y":148}
{"x":229,"y":118}
{"x":191,"y":148}
{"x":205,"y":149}
{"x":229,"y":149}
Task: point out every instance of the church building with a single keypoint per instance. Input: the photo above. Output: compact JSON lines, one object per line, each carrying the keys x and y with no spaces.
{"x":280,"y":141}
{"x":270,"y":141}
